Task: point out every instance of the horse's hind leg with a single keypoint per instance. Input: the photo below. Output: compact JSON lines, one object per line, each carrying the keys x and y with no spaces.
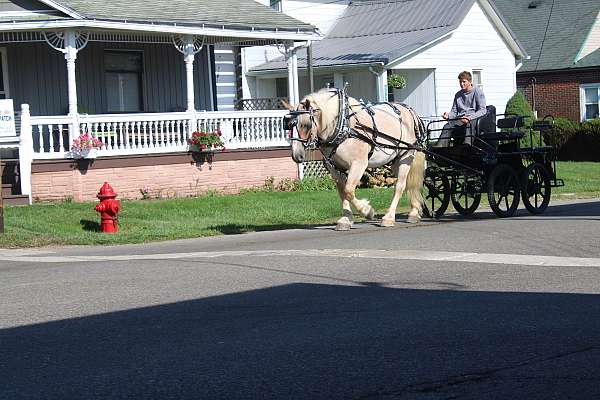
{"x":400,"y":169}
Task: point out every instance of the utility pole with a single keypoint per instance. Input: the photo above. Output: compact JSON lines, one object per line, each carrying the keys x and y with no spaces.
{"x":309,"y":67}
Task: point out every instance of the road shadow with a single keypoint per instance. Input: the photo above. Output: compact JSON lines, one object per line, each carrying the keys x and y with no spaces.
{"x":316,"y":341}
{"x":234,"y":229}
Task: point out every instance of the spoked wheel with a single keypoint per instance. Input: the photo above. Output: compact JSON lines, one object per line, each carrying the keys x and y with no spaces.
{"x":503,"y":190}
{"x":466,"y":194}
{"x":536,"y":188}
{"x":436,"y":194}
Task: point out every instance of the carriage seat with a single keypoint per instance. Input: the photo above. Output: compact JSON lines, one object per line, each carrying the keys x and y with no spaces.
{"x":510,"y":129}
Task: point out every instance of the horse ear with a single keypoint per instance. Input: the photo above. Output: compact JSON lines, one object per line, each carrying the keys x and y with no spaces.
{"x":286,"y":105}
{"x":307,"y":104}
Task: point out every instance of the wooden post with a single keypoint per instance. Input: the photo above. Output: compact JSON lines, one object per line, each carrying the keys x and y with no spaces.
{"x":1,"y":201}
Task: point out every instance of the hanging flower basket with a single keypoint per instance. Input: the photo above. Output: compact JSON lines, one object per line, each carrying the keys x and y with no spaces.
{"x":206,"y":141}
{"x":396,"y":81}
{"x":86,"y":145}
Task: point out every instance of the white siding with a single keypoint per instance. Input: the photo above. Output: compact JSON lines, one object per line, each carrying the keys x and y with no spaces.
{"x":320,"y":13}
{"x":252,"y":56}
{"x":419,"y":92}
{"x":592,"y":42}
{"x":225,"y":77}
{"x":474,"y":45}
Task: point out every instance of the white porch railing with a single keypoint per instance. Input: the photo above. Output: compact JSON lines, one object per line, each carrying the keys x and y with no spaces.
{"x":50,"y":137}
{"x":125,"y":134}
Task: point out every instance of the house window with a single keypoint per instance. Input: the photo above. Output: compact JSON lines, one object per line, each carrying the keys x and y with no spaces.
{"x":276,"y":5}
{"x":123,"y":77}
{"x":4,"y":93}
{"x":477,"y":81}
{"x":281,"y":87}
{"x":590,"y":101}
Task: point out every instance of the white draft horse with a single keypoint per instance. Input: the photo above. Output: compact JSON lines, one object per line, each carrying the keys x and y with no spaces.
{"x":353,"y":136}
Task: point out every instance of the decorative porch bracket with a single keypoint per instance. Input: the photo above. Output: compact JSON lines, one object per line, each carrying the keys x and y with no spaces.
{"x":69,"y":42}
{"x":189,"y":45}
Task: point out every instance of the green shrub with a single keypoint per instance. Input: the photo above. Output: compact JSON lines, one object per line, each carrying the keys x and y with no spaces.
{"x":591,"y":127}
{"x":562,"y":131}
{"x":519,"y":105}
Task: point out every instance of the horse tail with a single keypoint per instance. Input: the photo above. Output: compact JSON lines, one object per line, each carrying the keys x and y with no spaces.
{"x":414,"y":181}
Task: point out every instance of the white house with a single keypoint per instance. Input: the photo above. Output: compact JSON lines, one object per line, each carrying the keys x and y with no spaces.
{"x":427,"y":41}
{"x":142,"y":76}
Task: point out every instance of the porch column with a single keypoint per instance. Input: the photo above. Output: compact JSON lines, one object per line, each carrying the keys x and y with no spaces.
{"x":292,"y":64}
{"x":188,"y":57}
{"x":70,"y":51}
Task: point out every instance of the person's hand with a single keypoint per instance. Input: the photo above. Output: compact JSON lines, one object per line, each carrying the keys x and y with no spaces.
{"x":445,"y":115}
{"x":465,"y":120}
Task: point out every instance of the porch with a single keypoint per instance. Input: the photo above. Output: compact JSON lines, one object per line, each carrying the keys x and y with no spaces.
{"x":142,"y":88}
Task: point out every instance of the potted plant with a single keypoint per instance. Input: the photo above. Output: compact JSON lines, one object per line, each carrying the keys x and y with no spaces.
{"x":202,"y":141}
{"x":86,"y":145}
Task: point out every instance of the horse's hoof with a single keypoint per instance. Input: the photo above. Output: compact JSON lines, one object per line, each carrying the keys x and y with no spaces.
{"x":388,"y":223}
{"x":343,"y":226}
{"x":371,"y":214}
{"x":413,"y":219}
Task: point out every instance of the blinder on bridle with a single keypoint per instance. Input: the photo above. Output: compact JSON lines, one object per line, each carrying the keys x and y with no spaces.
{"x":290,"y":122}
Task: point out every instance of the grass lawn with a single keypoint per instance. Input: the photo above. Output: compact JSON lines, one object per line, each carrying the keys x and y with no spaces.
{"x":153,"y":220}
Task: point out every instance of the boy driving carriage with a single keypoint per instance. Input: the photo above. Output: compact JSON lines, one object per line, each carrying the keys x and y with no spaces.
{"x":468,"y":104}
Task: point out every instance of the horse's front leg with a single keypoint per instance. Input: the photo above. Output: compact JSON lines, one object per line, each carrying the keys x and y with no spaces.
{"x":348,"y":194}
{"x":401,"y":170}
{"x":346,"y":221}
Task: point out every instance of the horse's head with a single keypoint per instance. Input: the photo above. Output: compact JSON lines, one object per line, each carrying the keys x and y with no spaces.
{"x":303,"y":123}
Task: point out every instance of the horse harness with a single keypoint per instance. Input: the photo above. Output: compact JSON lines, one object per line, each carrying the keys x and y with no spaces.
{"x":343,"y":130}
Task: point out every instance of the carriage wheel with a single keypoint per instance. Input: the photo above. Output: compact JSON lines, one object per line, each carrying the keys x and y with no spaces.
{"x":503,"y":190}
{"x":466,"y":194}
{"x":436,"y":195}
{"x":536,"y":188}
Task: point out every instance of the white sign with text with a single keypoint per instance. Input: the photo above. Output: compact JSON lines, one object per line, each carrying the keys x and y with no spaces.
{"x":7,"y":119}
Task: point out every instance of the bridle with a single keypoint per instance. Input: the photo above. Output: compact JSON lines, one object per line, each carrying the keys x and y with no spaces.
{"x":290,"y":123}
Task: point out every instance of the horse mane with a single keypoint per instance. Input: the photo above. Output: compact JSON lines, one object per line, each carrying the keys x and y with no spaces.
{"x":327,"y":101}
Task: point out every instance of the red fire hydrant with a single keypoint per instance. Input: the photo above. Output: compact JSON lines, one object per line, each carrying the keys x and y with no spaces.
{"x":108,"y":208}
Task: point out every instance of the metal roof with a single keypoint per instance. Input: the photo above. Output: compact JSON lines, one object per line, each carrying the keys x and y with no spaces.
{"x":381,"y":31}
{"x":552,"y":32}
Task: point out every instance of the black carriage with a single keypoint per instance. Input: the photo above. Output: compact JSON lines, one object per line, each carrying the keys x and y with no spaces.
{"x":489,"y":159}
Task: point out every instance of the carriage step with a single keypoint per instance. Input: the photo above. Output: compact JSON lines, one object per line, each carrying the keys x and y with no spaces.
{"x":557,"y":183}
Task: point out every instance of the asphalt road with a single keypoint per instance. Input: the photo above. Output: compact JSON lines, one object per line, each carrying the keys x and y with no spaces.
{"x":481,"y":308}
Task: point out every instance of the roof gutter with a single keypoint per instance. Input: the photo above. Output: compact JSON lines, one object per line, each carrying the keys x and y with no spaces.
{"x":345,"y":67}
{"x":250,"y":33}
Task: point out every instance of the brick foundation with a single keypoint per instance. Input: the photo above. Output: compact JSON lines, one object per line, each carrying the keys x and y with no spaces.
{"x":159,"y":175}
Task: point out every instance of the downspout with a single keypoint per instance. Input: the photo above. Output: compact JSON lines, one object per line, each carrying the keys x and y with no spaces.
{"x":381,"y":84}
